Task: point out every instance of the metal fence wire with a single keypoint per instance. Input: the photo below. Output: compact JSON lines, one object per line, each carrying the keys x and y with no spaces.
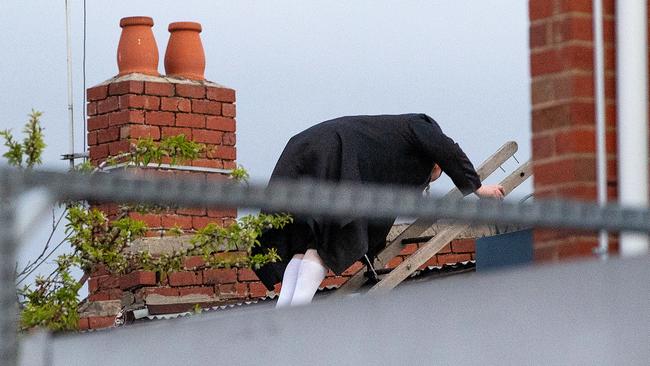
{"x":345,"y":200}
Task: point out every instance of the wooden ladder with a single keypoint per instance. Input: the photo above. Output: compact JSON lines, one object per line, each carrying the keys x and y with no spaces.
{"x":444,"y":235}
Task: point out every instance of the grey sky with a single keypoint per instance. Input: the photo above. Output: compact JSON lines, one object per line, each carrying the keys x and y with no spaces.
{"x":293,"y":64}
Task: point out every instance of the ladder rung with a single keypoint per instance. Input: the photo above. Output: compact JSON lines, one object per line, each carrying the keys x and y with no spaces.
{"x":380,"y":271}
{"x":417,"y":239}
{"x":445,"y":268}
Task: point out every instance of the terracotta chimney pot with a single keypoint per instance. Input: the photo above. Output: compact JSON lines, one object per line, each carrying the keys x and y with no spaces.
{"x":137,"y":50}
{"x":184,"y":56}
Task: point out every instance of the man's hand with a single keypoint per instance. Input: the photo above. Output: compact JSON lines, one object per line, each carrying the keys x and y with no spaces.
{"x":490,"y":191}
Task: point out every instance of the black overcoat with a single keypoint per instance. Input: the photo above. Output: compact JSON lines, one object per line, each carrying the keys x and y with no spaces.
{"x":385,"y":149}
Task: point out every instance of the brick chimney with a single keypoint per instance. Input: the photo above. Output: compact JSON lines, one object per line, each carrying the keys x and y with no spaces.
{"x":135,"y":105}
{"x":563,"y":115}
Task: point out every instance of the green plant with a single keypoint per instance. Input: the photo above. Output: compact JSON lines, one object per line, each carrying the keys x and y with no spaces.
{"x":32,"y":146}
{"x":177,"y":149}
{"x":242,"y":235}
{"x":176,"y":231}
{"x":220,"y":247}
{"x":52,"y":302}
{"x":239,"y":174}
{"x":84,"y":167}
{"x":95,"y":239}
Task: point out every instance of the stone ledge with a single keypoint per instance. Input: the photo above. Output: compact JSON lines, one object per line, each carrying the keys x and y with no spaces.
{"x":164,"y":245}
{"x":160,"y":79}
{"x":100,"y":308}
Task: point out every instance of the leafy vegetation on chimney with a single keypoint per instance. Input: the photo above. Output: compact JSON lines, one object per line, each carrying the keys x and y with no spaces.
{"x":52,"y":300}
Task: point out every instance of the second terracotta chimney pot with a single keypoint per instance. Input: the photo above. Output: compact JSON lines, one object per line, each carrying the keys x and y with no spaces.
{"x":184,"y":56}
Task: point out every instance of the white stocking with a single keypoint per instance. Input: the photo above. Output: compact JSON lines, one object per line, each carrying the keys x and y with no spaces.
{"x":289,"y":282}
{"x":311,"y":274}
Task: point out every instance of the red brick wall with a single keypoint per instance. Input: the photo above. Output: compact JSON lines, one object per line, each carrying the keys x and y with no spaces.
{"x":563,"y":113}
{"x":121,"y":111}
{"x":459,"y":250}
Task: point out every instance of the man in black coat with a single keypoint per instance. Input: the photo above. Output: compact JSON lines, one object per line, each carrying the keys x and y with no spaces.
{"x":407,"y":150}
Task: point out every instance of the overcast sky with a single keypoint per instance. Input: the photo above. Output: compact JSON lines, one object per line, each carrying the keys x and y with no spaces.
{"x":292,"y":64}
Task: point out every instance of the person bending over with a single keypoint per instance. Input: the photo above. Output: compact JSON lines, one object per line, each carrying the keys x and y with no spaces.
{"x":406,"y":150}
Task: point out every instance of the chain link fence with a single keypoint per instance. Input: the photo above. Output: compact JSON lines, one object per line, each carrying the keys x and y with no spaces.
{"x":345,"y":200}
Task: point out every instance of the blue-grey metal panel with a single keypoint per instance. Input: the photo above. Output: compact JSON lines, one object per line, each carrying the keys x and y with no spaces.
{"x":515,"y":248}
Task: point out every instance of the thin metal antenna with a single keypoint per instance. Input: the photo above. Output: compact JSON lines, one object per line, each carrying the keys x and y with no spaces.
{"x":83,"y":71}
{"x":70,"y":155}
